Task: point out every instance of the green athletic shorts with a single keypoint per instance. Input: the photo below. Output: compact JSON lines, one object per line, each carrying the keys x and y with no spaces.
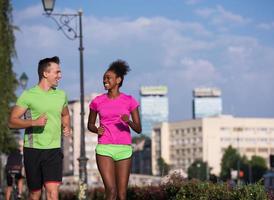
{"x":116,"y":152}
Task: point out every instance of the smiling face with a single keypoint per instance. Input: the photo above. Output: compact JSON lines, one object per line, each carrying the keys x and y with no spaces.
{"x":111,"y":81}
{"x":53,"y":74}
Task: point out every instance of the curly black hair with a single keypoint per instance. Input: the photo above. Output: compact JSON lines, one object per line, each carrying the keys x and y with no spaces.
{"x":120,"y":68}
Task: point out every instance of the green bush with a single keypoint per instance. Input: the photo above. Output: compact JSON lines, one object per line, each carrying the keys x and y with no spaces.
{"x":180,"y":189}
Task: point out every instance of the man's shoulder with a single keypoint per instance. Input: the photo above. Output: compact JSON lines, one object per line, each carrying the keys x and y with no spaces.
{"x":60,"y":91}
{"x":28,"y":92}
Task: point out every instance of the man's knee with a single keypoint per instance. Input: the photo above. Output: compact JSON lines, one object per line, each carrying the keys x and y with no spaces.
{"x":52,"y":194}
{"x":35,"y":195}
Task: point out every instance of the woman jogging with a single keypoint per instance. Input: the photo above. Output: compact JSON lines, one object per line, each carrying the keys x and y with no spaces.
{"x":118,"y":113}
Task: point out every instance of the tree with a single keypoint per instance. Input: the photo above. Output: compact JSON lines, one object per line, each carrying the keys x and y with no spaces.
{"x":253,"y":169}
{"x":229,"y":161}
{"x":163,"y":166}
{"x":8,"y":82}
{"x":258,"y":168}
{"x":198,"y":170}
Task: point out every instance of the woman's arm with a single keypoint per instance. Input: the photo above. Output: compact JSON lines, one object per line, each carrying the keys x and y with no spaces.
{"x":91,"y":123}
{"x":135,"y":124}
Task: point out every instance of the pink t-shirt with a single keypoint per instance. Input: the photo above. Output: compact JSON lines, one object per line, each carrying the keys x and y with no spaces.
{"x":110,"y":112}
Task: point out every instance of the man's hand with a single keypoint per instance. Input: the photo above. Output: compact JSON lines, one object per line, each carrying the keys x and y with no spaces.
{"x":66,"y":131}
{"x":40,"y":121}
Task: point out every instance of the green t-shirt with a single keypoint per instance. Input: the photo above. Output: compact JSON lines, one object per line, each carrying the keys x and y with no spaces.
{"x":38,"y":101}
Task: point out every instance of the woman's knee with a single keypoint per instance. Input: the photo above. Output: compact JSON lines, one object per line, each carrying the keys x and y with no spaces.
{"x":122,"y":195}
{"x":111,"y":192}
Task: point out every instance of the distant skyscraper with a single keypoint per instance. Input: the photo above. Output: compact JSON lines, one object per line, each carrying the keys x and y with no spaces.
{"x":207,"y":102}
{"x":154,"y":107}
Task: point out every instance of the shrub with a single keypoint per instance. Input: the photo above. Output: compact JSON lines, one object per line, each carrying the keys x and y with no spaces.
{"x":177,"y":188}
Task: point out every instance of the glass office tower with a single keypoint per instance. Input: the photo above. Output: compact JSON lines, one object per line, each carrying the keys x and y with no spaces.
{"x":153,"y":106}
{"x":207,"y":102}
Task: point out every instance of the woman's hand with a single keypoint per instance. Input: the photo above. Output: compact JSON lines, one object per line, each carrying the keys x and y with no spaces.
{"x":125,"y":118}
{"x":101,"y":130}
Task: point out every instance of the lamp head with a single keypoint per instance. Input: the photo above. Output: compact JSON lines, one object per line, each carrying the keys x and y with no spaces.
{"x":48,"y":6}
{"x":23,"y":80}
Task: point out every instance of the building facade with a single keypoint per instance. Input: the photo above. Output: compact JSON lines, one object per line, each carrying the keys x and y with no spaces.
{"x":181,"y":143}
{"x":206,"y":102}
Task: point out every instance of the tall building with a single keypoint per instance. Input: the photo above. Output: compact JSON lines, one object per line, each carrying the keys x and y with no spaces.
{"x":154,"y":107}
{"x":206,"y":102}
{"x":181,"y":143}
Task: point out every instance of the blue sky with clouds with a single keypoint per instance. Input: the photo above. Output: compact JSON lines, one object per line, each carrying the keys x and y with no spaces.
{"x":179,"y":43}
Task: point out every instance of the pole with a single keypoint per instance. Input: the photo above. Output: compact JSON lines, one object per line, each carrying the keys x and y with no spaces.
{"x":82,"y":159}
{"x":238,"y":161}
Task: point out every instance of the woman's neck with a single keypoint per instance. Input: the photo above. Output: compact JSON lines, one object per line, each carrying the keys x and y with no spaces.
{"x":112,"y":94}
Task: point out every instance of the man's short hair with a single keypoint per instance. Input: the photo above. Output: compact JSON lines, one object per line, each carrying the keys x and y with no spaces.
{"x":45,"y":63}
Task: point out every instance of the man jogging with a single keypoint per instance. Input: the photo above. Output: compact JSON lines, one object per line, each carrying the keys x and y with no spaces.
{"x":46,"y":116}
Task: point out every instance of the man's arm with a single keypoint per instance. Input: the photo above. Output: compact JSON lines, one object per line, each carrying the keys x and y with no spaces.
{"x":16,"y":121}
{"x":66,"y":121}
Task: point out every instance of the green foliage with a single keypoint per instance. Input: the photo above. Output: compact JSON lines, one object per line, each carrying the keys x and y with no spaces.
{"x":229,"y":161}
{"x":253,"y":169}
{"x":8,"y":82}
{"x":163,"y":166}
{"x":198,"y":169}
{"x":178,"y":188}
{"x":258,"y":166}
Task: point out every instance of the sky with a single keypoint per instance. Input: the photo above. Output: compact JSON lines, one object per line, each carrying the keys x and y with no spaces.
{"x":183,"y":44}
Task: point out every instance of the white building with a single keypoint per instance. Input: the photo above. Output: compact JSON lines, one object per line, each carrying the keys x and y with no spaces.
{"x":181,"y":143}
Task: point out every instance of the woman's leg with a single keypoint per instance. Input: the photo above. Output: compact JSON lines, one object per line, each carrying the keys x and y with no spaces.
{"x":106,"y":168}
{"x":122,"y":171}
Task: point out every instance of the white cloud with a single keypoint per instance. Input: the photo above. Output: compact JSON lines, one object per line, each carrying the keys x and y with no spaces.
{"x":199,"y":70}
{"x":192,"y":2}
{"x":29,"y":13}
{"x":205,"y":12}
{"x":221,"y":16}
{"x":266,"y":26}
{"x":181,"y":54}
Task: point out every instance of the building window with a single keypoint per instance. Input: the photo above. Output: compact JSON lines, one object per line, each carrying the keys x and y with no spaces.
{"x":263,"y":150}
{"x":250,"y":150}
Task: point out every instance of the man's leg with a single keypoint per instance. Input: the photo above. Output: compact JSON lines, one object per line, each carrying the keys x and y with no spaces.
{"x":8,"y":192}
{"x":52,"y":172}
{"x":34,"y":194}
{"x":52,"y":190}
{"x":32,"y":159}
{"x":20,"y":186}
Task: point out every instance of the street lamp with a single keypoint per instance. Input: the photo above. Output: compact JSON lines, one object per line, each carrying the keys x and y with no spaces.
{"x":63,"y":23}
{"x":23,"y":80}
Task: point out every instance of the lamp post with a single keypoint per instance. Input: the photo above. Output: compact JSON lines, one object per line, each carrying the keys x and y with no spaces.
{"x":63,"y":23}
{"x":23,"y":80}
